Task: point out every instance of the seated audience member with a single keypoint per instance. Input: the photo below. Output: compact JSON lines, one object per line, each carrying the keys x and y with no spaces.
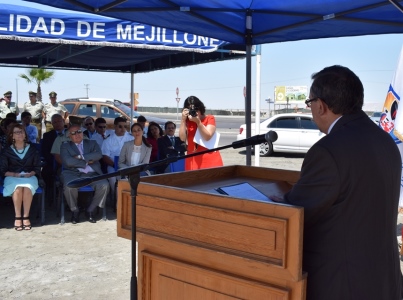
{"x":20,"y":166}
{"x":101,"y":133}
{"x":50,"y":168}
{"x":153,"y":134}
{"x":32,"y":131}
{"x":11,"y":116}
{"x":142,"y":121}
{"x":169,"y":145}
{"x":99,"y":136}
{"x":80,"y":159}
{"x":61,"y":138}
{"x":7,"y":124}
{"x":89,"y":124}
{"x":135,"y":152}
{"x":111,"y":147}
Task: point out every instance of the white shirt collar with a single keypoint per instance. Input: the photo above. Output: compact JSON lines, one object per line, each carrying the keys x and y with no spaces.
{"x":331,"y":125}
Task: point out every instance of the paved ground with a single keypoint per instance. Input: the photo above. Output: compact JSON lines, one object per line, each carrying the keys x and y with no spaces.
{"x":84,"y":261}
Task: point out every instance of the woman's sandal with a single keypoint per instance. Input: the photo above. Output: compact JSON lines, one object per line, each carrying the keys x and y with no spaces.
{"x":19,"y":227}
{"x":25,"y":226}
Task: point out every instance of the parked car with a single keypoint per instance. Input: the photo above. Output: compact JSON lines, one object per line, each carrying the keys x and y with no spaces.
{"x":376,"y":116}
{"x":108,"y":109}
{"x":296,"y":133}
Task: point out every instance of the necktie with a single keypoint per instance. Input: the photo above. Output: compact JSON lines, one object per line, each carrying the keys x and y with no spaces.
{"x":103,"y":136}
{"x":87,"y":167}
{"x":172,"y":141}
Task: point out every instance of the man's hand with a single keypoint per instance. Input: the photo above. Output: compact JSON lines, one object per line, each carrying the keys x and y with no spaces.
{"x":277,"y":199}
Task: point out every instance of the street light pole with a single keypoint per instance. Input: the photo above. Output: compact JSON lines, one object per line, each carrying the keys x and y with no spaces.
{"x":177,"y":103}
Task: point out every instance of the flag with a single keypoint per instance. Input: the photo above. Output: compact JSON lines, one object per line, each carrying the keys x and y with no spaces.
{"x":391,"y":119}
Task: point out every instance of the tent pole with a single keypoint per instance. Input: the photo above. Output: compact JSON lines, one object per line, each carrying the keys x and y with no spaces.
{"x":257,"y":104}
{"x":248,"y":109}
{"x":248,"y":98}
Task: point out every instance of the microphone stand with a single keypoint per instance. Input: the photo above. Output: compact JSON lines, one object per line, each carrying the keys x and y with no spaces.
{"x":134,"y":180}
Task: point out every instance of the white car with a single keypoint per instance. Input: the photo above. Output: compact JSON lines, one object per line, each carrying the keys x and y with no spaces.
{"x":296,"y":133}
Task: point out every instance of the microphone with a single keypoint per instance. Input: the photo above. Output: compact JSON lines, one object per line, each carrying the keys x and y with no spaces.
{"x":77,"y":183}
{"x":270,"y":136}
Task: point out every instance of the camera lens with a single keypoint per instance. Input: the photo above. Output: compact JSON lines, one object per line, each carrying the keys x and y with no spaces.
{"x":193,"y":112}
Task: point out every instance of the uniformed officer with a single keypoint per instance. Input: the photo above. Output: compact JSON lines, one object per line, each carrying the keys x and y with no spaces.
{"x":53,"y":108}
{"x":6,"y":106}
{"x":35,"y":108}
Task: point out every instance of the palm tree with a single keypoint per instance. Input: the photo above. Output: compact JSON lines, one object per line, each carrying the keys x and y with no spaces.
{"x":38,"y":76}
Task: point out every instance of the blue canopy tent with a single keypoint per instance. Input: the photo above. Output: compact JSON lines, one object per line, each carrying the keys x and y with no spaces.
{"x":37,"y":37}
{"x":61,"y":39}
{"x":253,"y":22}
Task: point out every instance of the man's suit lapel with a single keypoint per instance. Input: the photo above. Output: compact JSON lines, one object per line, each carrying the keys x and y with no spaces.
{"x":75,"y":147}
{"x":167,"y":141}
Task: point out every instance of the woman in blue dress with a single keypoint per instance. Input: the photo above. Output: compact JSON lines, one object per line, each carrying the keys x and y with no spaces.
{"x":20,"y":166}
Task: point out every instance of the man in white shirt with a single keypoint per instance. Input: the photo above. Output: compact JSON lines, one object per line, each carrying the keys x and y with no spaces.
{"x":111,"y":147}
{"x":101,"y":133}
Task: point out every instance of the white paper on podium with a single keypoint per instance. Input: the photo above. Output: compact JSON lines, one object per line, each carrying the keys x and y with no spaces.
{"x":210,"y":144}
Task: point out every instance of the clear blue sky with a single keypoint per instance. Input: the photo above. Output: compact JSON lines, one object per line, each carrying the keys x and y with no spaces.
{"x":220,"y":85}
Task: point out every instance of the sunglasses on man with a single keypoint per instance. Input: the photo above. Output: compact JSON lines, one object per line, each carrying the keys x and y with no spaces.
{"x":76,"y":132}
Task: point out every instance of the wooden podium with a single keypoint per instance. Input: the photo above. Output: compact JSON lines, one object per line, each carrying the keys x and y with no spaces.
{"x":193,"y":244}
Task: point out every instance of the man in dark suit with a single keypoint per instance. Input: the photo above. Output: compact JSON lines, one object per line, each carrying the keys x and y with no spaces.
{"x":80,"y":158}
{"x":89,"y":123}
{"x":50,"y":167}
{"x":169,"y":145}
{"x":349,"y":188}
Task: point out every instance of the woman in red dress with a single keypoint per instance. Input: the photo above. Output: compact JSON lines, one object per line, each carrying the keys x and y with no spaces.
{"x":193,"y":119}
{"x":153,"y":134}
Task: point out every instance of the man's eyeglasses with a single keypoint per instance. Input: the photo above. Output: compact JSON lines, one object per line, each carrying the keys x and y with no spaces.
{"x":308,"y":102}
{"x":169,"y":128}
{"x":88,"y":124}
{"x":101,"y":127}
{"x":17,"y":132}
{"x":8,"y":97}
{"x":76,"y":132}
{"x":122,"y":126}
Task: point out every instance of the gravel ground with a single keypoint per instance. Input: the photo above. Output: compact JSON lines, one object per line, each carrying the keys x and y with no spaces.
{"x":84,"y":261}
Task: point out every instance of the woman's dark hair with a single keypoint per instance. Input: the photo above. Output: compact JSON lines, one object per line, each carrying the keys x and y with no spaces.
{"x":193,"y":100}
{"x":160,"y":131}
{"x":143,"y":137}
{"x":10,"y":134}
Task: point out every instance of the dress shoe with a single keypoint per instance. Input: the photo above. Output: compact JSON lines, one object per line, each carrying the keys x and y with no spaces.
{"x":90,"y":217}
{"x":74,"y":216}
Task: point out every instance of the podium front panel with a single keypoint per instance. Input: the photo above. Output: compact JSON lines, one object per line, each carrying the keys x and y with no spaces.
{"x":179,"y":220}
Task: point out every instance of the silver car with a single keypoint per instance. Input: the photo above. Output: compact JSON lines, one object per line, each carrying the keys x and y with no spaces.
{"x":296,"y":133}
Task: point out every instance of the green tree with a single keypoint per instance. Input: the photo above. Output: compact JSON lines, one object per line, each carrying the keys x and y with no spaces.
{"x":38,"y":76}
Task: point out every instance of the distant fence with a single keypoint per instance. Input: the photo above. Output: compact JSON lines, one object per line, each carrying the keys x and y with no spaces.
{"x":227,"y":112}
{"x":220,"y":112}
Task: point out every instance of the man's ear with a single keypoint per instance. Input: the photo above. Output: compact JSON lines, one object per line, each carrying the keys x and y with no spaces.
{"x":322,"y":107}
